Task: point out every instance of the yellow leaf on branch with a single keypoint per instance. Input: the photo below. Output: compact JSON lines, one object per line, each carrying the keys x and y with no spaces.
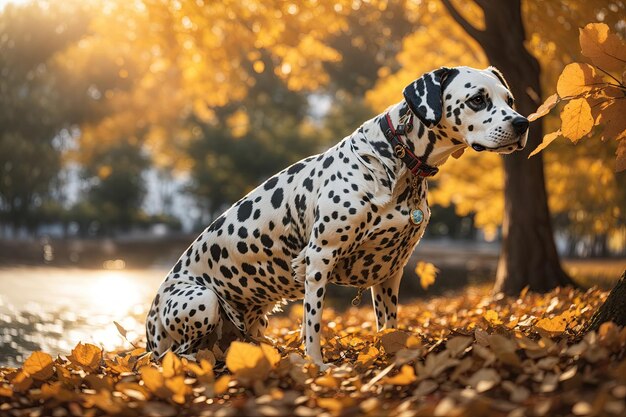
{"x":576,"y":119}
{"x":605,"y":49}
{"x":577,"y":79}
{"x":547,"y":139}
{"x":544,"y":108}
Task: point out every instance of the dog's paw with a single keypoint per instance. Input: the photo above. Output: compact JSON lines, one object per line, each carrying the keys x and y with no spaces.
{"x":326,"y":366}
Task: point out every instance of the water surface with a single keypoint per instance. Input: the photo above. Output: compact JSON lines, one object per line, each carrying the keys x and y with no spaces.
{"x":52,"y":309}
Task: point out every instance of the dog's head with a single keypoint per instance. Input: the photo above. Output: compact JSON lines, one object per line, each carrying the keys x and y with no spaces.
{"x":476,"y":104}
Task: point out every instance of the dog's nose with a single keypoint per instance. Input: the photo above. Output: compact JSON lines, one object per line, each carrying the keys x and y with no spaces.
{"x":520,"y":125}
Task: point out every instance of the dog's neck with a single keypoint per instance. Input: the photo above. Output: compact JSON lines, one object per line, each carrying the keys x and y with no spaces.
{"x":434,"y":145}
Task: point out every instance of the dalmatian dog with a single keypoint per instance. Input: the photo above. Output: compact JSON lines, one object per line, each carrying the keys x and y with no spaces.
{"x":349,"y":216}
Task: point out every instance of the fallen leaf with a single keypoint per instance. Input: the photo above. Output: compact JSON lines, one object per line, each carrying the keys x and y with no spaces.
{"x":406,"y":376}
{"x":172,"y":365}
{"x":457,"y":345}
{"x":86,"y":356}
{"x":555,"y":325}
{"x":39,"y":365}
{"x":484,"y":379}
{"x":394,"y":341}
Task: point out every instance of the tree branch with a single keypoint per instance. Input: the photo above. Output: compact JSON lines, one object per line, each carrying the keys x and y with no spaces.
{"x":467,"y":26}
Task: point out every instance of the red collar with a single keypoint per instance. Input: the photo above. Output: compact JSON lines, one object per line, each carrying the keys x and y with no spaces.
{"x":416,"y":165}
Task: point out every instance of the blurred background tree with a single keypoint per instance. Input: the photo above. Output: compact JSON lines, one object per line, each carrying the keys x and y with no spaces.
{"x":217,"y":96}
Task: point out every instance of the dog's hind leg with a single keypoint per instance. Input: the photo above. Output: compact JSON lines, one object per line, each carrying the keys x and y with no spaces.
{"x":385,"y":299}
{"x":184,"y":321}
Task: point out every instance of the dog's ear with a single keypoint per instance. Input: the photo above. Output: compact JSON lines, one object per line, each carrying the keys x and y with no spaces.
{"x":495,"y":71}
{"x":424,"y":95}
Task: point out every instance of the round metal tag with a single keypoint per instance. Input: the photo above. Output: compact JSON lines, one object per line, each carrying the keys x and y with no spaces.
{"x":417,"y":216}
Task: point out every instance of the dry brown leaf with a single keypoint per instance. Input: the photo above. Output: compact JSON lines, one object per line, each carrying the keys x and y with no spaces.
{"x":87,"y":356}
{"x":457,"y":345}
{"x":39,"y":365}
{"x":122,"y":331}
{"x":484,"y":379}
{"x":394,"y":340}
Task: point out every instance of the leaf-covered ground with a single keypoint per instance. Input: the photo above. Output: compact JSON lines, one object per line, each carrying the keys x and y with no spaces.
{"x":463,"y":355}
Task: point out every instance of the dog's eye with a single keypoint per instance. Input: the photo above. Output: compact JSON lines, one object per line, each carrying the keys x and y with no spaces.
{"x":477,"y":101}
{"x":509,"y":101}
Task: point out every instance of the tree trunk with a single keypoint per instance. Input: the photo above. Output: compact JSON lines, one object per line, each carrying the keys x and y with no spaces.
{"x":528,"y":256}
{"x":613,"y":309}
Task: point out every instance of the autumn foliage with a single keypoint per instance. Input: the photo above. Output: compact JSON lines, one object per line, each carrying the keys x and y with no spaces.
{"x":594,"y":96}
{"x":468,"y":355}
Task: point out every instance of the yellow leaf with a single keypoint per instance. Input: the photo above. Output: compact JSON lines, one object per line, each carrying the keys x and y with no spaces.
{"x":557,"y":324}
{"x":172,"y":366}
{"x":576,"y":119}
{"x":576,"y":79}
{"x":221,"y":385}
{"x":332,"y":404}
{"x":39,"y":366}
{"x":178,"y":388}
{"x":547,"y":139}
{"x":605,"y":49}
{"x":6,"y":391}
{"x":21,"y":382}
{"x":86,"y":355}
{"x":406,"y":376}
{"x":327,"y":381}
{"x":427,"y":273}
{"x":271,"y":354}
{"x":365,"y":358}
{"x":492,"y":317}
{"x":544,"y":108}
{"x":247,"y":361}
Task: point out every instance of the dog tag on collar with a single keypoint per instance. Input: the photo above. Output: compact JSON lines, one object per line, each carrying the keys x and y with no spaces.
{"x":417,"y":216}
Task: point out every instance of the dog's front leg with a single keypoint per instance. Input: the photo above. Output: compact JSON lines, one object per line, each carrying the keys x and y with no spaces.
{"x":314,"y":291}
{"x":385,"y":299}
